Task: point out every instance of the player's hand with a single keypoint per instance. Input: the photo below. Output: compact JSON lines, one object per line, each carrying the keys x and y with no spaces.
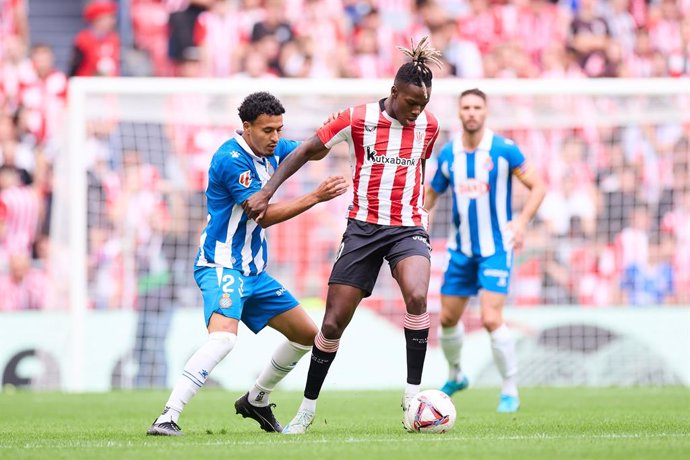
{"x":515,"y":233}
{"x":330,"y":188}
{"x":332,"y":117}
{"x":255,"y":206}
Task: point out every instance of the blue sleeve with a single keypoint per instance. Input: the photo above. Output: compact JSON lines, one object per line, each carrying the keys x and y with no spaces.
{"x":237,"y":175}
{"x":441,"y":179}
{"x":513,"y":154}
{"x":285,"y":147}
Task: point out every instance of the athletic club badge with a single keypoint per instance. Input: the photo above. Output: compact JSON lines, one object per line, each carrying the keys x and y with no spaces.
{"x":225,"y":301}
{"x":488,"y":164}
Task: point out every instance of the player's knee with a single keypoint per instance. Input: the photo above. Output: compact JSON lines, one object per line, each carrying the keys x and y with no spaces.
{"x":416,"y":302}
{"x":448,"y":319}
{"x":491,"y":322}
{"x":332,"y":328}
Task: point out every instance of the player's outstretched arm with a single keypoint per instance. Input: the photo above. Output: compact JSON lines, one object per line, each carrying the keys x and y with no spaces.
{"x":255,"y":206}
{"x":430,"y":197}
{"x":537,"y":191}
{"x":280,"y":212}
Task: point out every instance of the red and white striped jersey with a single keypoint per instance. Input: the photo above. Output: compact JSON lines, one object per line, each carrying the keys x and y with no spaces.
{"x":386,"y":161}
{"x":21,"y":215}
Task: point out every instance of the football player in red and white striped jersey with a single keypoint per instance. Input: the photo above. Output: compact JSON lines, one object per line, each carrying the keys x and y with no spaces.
{"x":389,"y":142}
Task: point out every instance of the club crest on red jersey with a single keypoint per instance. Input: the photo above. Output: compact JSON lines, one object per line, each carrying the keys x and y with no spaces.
{"x":245,"y":179}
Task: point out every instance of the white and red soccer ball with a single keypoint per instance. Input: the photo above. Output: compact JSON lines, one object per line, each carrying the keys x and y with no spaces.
{"x":431,"y":411}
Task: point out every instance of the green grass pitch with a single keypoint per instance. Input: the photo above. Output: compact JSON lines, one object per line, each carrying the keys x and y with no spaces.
{"x":554,"y":423}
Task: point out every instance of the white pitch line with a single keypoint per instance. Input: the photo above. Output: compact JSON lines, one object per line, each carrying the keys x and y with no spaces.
{"x":308,"y":440}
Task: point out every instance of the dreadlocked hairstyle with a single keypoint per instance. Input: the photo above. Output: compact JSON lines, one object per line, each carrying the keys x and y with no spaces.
{"x":417,"y":72}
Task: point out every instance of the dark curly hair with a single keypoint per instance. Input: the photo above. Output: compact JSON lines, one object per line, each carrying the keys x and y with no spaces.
{"x":257,"y":104}
{"x":416,"y":71}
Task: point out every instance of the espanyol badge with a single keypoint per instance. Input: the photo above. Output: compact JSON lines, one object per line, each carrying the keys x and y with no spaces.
{"x":225,"y":301}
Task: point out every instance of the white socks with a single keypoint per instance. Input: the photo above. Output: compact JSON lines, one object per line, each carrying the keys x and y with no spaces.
{"x":308,"y":405}
{"x":284,"y":360}
{"x":503,"y":347}
{"x":197,"y":369}
{"x":451,"y":343}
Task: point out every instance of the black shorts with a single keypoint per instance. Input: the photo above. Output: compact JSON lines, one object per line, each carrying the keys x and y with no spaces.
{"x":364,"y":247}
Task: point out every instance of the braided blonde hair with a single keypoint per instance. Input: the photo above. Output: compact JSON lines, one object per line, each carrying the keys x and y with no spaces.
{"x":417,"y":71}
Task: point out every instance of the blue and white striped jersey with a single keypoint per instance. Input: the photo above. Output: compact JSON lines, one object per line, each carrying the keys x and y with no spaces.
{"x":481,"y":182}
{"x":231,"y":239}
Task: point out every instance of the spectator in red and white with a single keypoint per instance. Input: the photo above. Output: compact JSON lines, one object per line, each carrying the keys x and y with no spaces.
{"x":640,"y":62}
{"x":633,"y":241}
{"x":386,"y":38}
{"x":325,"y":34}
{"x":664,"y":26}
{"x":150,"y":28}
{"x":13,"y":64}
{"x":23,"y":287}
{"x":43,"y":93}
{"x":589,"y":36}
{"x":220,"y":35}
{"x":13,"y":23}
{"x":535,"y":25}
{"x":621,"y":24}
{"x":97,"y":48}
{"x":676,"y":223}
{"x":481,"y":24}
{"x":22,"y":210}
{"x":679,"y":60}
{"x":366,"y":62}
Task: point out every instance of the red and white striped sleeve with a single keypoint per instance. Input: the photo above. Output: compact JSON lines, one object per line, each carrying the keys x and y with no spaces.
{"x":337,"y":130}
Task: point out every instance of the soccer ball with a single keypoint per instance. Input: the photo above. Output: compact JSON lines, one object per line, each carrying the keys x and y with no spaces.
{"x":431,"y":411}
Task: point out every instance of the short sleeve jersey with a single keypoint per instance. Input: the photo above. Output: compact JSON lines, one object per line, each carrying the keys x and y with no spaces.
{"x":386,"y":160}
{"x":481,"y":182}
{"x":230,"y":238}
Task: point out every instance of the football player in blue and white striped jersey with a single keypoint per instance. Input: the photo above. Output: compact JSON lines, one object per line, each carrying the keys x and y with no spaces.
{"x":231,"y":263}
{"x":478,"y":166}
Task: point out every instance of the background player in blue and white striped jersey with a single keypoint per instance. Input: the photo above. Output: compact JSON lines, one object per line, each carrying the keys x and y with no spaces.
{"x":230,"y":266}
{"x":478,"y":166}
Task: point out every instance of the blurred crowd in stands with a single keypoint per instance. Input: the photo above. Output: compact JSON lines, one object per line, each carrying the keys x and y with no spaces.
{"x":613,"y":230}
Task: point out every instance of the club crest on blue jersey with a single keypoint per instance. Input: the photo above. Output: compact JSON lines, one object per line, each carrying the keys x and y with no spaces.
{"x":245,"y":179}
{"x":225,"y":301}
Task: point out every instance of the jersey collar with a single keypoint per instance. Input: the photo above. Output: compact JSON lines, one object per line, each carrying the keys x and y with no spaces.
{"x":484,"y":144}
{"x":240,"y":140}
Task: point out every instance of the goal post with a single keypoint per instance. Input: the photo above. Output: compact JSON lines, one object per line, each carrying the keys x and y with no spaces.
{"x":129,"y":206}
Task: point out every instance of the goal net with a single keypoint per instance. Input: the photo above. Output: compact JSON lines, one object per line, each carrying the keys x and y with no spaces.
{"x":129,"y":194}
